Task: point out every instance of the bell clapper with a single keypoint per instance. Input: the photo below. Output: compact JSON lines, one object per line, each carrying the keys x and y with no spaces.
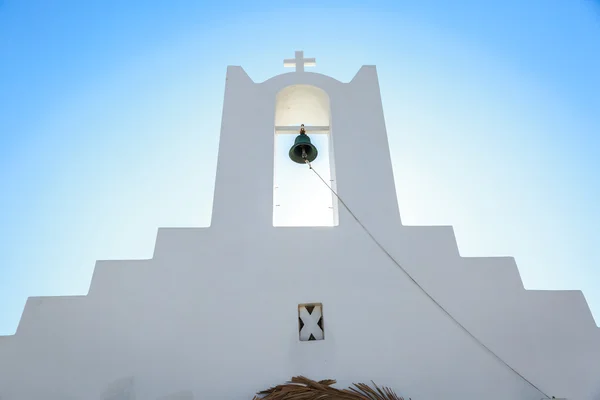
{"x":305,"y":158}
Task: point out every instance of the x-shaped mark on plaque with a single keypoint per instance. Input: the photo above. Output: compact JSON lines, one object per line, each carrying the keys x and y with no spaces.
{"x":311,"y":323}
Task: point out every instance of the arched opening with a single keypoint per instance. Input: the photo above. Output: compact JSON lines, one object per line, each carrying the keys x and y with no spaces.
{"x":299,"y":197}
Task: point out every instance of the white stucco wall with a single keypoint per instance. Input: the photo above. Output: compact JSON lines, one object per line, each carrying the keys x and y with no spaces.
{"x":214,"y":314}
{"x":302,"y":104}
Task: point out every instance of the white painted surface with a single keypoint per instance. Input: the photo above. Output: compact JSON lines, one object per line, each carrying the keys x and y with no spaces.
{"x":215,"y":311}
{"x":295,"y":129}
{"x":186,"y":395}
{"x":302,"y":104}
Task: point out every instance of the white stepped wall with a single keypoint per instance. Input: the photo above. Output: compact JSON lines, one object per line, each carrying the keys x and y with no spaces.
{"x":223,"y":324}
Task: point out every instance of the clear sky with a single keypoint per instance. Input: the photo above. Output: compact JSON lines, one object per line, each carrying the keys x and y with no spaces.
{"x":110,"y":114}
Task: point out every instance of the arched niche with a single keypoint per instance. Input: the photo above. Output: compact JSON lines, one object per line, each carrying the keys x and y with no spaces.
{"x":302,"y":104}
{"x":300,"y":198}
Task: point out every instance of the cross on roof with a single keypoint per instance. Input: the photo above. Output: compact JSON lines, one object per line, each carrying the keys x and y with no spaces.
{"x":299,"y":62}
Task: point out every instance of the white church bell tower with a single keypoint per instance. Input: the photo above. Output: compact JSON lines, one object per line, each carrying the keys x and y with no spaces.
{"x":227,"y":311}
{"x":351,"y":113}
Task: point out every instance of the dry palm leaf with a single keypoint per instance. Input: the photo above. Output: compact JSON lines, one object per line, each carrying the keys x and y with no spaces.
{"x":301,"y":388}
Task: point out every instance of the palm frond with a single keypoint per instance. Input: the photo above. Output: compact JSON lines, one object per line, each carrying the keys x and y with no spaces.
{"x":302,"y":388}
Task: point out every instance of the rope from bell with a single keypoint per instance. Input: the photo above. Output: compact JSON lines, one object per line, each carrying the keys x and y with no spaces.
{"x":421,"y":287}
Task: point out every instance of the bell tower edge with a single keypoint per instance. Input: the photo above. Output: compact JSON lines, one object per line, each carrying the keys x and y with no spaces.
{"x":364,"y":174}
{"x":243,"y":197}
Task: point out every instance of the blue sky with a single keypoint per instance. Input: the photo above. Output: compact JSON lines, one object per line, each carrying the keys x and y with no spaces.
{"x":110,"y":114}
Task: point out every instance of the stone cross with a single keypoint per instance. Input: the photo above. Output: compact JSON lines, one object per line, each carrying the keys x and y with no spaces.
{"x":299,"y":62}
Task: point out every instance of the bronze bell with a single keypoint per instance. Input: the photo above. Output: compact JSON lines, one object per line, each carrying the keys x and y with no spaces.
{"x":303,"y":150}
